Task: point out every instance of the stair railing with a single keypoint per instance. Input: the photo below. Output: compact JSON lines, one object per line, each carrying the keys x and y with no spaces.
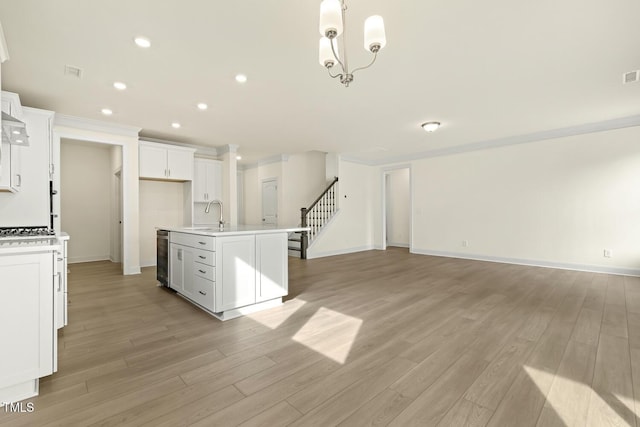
{"x":317,"y":215}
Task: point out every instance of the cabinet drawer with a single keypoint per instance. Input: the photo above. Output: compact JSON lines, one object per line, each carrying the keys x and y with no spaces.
{"x":194,"y":240}
{"x":203,"y":293}
{"x":204,"y":271}
{"x":205,"y":257}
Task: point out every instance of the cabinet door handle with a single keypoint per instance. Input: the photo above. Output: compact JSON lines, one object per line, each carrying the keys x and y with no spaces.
{"x":179,"y":254}
{"x":19,"y":184}
{"x":203,"y":243}
{"x":202,"y":257}
{"x":202,"y":271}
{"x":59,"y":281}
{"x":202,"y":293}
{"x":169,"y":172}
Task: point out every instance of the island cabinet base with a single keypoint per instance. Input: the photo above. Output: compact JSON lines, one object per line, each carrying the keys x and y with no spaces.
{"x":18,"y":392}
{"x":230,"y":274}
{"x":241,"y":311}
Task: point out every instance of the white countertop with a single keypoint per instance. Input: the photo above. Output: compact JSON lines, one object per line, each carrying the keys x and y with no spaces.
{"x":212,"y":230}
{"x":21,"y":246}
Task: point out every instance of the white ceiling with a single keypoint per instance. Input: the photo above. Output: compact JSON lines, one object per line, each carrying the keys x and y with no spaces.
{"x":486,"y":70}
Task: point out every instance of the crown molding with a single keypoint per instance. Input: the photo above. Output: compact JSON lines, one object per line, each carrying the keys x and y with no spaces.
{"x":587,"y":128}
{"x":229,"y":148}
{"x":62,"y":120}
{"x":201,"y":150}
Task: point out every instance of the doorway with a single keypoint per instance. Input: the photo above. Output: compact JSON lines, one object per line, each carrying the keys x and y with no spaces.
{"x":396,"y":218}
{"x":270,"y":201}
{"x":91,"y":199}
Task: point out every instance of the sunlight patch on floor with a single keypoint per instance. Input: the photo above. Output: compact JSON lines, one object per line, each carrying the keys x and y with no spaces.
{"x":330,"y":333}
{"x":275,"y":317}
{"x":564,"y":392}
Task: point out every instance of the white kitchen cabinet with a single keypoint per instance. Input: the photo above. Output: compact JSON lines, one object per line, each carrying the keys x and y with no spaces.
{"x":176,"y":267}
{"x":272,"y":274}
{"x":235,"y":272}
{"x":207,"y":180}
{"x":192,"y":267}
{"x":61,"y":290}
{"x":165,"y":162}
{"x":26,"y":313}
{"x":11,"y":164}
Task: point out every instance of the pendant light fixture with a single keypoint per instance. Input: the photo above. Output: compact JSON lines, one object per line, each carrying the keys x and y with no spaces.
{"x":332,"y":25}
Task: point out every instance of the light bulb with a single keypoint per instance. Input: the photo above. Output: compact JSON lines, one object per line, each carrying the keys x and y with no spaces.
{"x":330,"y":18}
{"x":374,"y":36}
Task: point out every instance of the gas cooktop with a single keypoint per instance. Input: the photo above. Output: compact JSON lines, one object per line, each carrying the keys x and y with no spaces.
{"x":31,"y":232}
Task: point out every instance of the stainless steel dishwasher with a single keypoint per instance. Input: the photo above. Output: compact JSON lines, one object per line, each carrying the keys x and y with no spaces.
{"x":162,"y":265}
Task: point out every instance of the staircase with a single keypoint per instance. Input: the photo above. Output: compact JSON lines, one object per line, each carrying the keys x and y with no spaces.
{"x":315,"y":217}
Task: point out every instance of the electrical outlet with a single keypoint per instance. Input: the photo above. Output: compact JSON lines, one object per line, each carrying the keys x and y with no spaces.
{"x":465,"y":243}
{"x":607,"y":253}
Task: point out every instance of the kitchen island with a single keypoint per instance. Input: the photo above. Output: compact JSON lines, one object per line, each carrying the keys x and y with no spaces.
{"x":232,"y":271}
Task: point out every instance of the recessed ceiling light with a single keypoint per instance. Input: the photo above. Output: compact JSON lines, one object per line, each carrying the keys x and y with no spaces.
{"x":175,"y":125}
{"x":16,"y":132}
{"x":238,"y":157}
{"x":107,"y":112}
{"x":241,"y":78}
{"x":142,"y":42}
{"x":202,"y":106}
{"x":430,"y":126}
{"x":119,"y":85}
{"x":19,"y":141}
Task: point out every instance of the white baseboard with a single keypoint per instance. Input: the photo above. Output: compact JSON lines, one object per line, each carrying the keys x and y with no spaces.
{"x":398,"y":245}
{"x":80,"y":259}
{"x":149,"y":263}
{"x":536,"y":263}
{"x":314,"y":254}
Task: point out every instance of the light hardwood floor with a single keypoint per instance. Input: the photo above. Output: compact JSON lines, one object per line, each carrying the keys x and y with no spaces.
{"x":374,"y":338}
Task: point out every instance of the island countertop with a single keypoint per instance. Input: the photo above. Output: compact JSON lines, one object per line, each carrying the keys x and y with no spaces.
{"x":212,"y":230}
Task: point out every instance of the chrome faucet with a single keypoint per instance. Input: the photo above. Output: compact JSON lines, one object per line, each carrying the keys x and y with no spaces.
{"x":208,"y":208}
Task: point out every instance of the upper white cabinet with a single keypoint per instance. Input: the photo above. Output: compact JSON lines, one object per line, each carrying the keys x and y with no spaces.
{"x":207,"y":180}
{"x":10,"y":165}
{"x":165,"y":162}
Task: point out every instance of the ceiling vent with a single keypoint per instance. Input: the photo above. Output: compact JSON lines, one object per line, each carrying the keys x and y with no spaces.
{"x":72,"y":71}
{"x":631,"y":77}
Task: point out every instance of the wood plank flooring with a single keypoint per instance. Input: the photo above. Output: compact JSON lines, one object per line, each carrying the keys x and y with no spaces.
{"x":373,"y":338}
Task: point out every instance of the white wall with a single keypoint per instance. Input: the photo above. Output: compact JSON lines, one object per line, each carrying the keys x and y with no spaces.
{"x":301,"y":178}
{"x":351,"y":229}
{"x":85,"y":203}
{"x":398,"y":212}
{"x":161,"y":205}
{"x":554,"y":202}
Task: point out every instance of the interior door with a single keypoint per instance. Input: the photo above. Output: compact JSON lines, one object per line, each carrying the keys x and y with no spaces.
{"x":270,"y":201}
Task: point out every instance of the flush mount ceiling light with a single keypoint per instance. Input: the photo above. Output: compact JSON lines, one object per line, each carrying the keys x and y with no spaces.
{"x":106,"y":111}
{"x":202,"y":106}
{"x":175,"y":125}
{"x":119,"y":85}
{"x":241,"y":78}
{"x":430,"y":126}
{"x":332,"y":24}
{"x":142,"y":42}
{"x":238,"y":157}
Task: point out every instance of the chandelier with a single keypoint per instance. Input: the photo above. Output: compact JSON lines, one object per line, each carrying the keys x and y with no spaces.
{"x":332,"y":25}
